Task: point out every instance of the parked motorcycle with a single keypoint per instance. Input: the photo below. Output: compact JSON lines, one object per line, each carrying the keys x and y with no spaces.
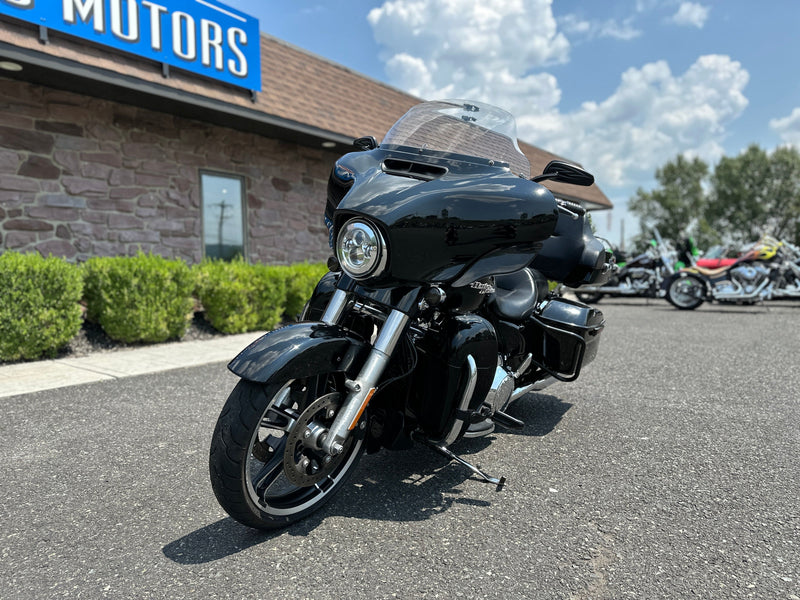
{"x":435,"y":316}
{"x":751,"y":278}
{"x":642,"y":276}
{"x":786,"y":281}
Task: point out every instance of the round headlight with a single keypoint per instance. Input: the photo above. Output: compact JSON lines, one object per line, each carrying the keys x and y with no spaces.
{"x":361,"y":250}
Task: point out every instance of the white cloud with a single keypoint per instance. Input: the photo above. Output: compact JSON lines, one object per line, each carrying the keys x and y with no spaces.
{"x":620,"y":31}
{"x":573,"y":24}
{"x":788,"y":128}
{"x":610,"y":28}
{"x":437,"y":48}
{"x":691,"y":14}
{"x":651,"y":117}
{"x":499,"y":51}
{"x":648,"y":5}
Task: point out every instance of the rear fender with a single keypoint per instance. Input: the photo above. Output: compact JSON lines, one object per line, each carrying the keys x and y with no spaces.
{"x":297,"y":351}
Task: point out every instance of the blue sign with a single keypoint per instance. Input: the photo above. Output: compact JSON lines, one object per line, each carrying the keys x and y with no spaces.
{"x":202,"y":36}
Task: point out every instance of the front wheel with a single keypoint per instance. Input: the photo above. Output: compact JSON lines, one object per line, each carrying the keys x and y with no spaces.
{"x":266,"y":465}
{"x":686,"y":293}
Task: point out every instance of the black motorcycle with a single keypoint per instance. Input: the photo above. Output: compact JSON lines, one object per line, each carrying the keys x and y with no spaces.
{"x":641,"y":276}
{"x":434,"y":317}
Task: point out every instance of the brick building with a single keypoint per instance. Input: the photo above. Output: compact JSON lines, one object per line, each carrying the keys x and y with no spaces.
{"x":105,"y":153}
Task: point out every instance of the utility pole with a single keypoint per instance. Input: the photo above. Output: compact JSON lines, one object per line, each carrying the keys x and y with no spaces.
{"x":222,"y":216}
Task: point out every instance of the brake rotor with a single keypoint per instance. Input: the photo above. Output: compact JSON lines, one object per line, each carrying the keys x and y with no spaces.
{"x":304,"y":461}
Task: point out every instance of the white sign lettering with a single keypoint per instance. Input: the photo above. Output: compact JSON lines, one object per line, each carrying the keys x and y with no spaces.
{"x":133,"y":20}
{"x":202,"y":36}
{"x":88,"y":11}
{"x":20,"y":3}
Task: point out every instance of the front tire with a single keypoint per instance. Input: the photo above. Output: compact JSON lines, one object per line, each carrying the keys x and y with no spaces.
{"x":263,"y":472}
{"x":686,"y":292}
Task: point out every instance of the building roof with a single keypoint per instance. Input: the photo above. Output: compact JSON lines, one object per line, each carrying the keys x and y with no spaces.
{"x":305,"y":98}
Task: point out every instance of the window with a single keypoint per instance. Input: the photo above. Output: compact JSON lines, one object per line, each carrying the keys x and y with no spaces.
{"x":223,"y":216}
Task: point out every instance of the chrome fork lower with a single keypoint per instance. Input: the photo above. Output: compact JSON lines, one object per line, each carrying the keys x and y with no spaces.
{"x":364,"y":385}
{"x":335,"y":308}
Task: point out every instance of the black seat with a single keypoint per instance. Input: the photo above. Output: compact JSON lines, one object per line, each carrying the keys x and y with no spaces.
{"x":515,"y":295}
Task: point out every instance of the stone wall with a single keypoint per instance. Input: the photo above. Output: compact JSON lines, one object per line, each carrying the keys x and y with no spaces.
{"x":82,"y":177}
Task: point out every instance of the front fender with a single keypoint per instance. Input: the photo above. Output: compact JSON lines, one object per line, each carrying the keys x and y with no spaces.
{"x":297,"y":351}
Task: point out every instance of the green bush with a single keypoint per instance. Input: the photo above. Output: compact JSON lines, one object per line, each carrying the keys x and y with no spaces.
{"x":239,"y":297}
{"x":39,"y":310}
{"x":301,"y":279}
{"x":143,"y":298}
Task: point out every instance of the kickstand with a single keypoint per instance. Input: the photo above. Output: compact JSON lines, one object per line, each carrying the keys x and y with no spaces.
{"x":452,"y":456}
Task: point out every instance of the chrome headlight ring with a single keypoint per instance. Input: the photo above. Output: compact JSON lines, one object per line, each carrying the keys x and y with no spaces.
{"x":361,"y":249}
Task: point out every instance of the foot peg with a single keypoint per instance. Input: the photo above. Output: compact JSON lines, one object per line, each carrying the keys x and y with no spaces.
{"x":452,"y":456}
{"x":507,"y":420}
{"x":485,"y":427}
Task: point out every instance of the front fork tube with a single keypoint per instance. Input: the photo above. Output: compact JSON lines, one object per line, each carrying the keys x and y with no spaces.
{"x":364,"y":385}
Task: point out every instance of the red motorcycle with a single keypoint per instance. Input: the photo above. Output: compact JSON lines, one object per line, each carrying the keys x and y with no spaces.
{"x":750,"y":279}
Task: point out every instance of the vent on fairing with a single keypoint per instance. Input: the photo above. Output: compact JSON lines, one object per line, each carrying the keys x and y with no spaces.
{"x":415,"y":170}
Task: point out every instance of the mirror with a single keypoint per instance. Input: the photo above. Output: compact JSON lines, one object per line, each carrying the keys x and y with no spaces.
{"x":366,"y":143}
{"x":565,"y":172}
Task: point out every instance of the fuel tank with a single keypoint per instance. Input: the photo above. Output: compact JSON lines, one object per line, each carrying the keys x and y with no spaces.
{"x":446,"y":218}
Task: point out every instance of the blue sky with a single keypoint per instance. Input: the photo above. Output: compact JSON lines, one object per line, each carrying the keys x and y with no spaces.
{"x":621,"y":86}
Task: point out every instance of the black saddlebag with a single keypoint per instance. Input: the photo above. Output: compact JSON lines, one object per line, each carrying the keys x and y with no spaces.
{"x":563,"y":336}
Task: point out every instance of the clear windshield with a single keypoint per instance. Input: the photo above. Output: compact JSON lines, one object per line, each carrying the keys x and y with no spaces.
{"x":461,"y":127}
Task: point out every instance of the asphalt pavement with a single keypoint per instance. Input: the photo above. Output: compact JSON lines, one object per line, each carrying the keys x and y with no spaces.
{"x":670,"y":469}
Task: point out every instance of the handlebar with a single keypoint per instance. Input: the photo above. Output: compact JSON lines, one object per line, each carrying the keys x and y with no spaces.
{"x":575,"y":211}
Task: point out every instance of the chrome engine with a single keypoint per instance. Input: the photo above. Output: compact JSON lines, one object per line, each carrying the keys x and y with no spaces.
{"x":502,"y":388}
{"x":745,"y":280}
{"x":749,"y":277}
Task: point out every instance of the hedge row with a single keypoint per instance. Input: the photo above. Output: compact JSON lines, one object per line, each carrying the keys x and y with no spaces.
{"x":39,"y":310}
{"x":144,"y":298}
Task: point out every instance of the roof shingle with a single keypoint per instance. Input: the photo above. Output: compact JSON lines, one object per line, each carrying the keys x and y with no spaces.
{"x":297,"y":86}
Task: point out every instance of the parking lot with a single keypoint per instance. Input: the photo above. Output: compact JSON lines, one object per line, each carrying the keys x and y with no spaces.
{"x":670,"y":469}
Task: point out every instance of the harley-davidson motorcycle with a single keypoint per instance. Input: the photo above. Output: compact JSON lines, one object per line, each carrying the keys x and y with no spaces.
{"x":434,"y":317}
{"x":751,"y":278}
{"x":787,"y":283}
{"x":641,"y":276}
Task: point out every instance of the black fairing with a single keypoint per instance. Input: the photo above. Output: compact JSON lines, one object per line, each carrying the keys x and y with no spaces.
{"x":323,"y":292}
{"x":446,"y":218}
{"x":573,"y":255}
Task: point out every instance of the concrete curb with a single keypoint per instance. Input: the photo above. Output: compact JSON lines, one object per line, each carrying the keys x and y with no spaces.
{"x":24,"y":378}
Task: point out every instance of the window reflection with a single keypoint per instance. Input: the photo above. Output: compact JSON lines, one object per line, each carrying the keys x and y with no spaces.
{"x":223,"y":216}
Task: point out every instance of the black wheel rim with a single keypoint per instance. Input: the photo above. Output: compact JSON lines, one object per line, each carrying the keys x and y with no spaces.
{"x":267,"y":484}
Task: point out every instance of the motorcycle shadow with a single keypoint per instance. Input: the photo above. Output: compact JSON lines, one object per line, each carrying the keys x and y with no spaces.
{"x":408,"y":485}
{"x":404,"y":486}
{"x":540,"y":413}
{"x":215,"y":541}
